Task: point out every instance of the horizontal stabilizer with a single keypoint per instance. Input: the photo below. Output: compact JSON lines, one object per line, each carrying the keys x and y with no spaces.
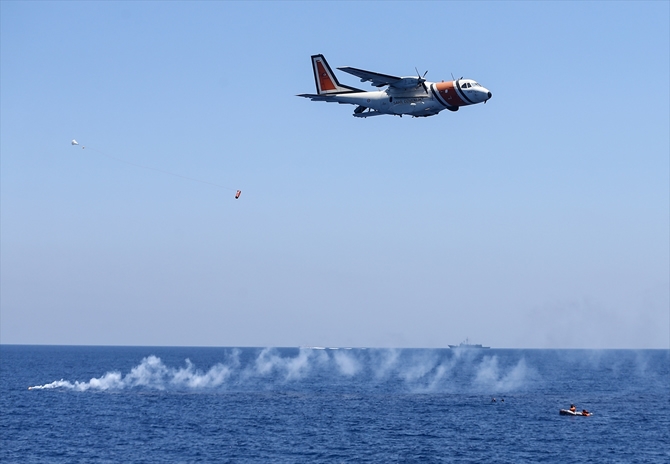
{"x":326,"y":97}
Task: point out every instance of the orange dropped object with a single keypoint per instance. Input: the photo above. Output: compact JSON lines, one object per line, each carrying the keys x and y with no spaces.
{"x":237,"y":194}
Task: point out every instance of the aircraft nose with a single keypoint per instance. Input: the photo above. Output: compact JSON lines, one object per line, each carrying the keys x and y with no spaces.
{"x":490,"y":94}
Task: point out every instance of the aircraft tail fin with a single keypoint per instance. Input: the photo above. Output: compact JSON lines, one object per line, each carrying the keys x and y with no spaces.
{"x":326,"y":82}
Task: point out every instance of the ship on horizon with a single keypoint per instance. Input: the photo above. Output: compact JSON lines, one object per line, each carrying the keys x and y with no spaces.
{"x":468,"y":345}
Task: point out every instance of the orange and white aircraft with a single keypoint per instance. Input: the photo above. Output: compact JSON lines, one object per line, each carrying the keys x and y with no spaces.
{"x":413,"y":95}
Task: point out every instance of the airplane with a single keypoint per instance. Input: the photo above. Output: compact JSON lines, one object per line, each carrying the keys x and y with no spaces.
{"x":413,"y":96}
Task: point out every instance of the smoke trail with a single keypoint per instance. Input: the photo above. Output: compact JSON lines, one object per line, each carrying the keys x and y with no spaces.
{"x":413,"y":370}
{"x":385,"y":362}
{"x":56,"y":384}
{"x":190,"y":378}
{"x":150,"y":373}
{"x":269,"y":361}
{"x":442,"y":373}
{"x":489,"y":375}
{"x":420,"y":365}
{"x":347,"y":364}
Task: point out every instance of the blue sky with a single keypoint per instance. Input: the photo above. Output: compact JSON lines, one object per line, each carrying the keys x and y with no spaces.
{"x":538,"y":220}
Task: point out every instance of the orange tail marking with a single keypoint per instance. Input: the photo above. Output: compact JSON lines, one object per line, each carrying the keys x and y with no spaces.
{"x":324,"y":81}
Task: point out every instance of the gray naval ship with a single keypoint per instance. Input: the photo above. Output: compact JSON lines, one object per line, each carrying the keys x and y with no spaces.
{"x":466,"y":344}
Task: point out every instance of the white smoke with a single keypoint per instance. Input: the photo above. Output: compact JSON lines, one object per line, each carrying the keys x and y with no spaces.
{"x":270,"y":361}
{"x":442,"y":372}
{"x":55,"y":384}
{"x":191,"y":378}
{"x":150,"y":373}
{"x":419,"y":371}
{"x":420,"y":365}
{"x":491,"y":377}
{"x":346,"y":364}
{"x":385,"y":362}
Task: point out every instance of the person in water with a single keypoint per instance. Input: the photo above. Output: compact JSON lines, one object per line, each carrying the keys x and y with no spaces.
{"x":573,"y":408}
{"x":585,"y":413}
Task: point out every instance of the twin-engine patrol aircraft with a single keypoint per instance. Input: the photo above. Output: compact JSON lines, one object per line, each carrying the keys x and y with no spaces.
{"x":414,"y":95}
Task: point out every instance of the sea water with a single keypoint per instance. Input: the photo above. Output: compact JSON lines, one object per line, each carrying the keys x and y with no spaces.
{"x":285,"y":405}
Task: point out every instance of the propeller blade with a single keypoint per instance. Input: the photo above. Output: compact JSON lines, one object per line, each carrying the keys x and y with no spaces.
{"x":419,"y":76}
{"x":421,"y":79}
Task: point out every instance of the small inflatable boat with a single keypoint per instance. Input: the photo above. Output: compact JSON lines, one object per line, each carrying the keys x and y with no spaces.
{"x":567,"y":412}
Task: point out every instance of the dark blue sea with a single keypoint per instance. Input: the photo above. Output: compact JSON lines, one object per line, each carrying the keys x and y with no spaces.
{"x":91,"y":404}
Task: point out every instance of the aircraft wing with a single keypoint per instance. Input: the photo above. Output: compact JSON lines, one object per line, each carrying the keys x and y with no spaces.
{"x":378,"y":80}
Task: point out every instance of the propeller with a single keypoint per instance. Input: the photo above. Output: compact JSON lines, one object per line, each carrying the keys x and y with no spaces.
{"x":453,"y":78}
{"x":421,"y":79}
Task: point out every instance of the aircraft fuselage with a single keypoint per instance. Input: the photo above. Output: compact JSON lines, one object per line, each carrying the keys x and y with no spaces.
{"x":417,"y":102}
{"x":412,"y":96}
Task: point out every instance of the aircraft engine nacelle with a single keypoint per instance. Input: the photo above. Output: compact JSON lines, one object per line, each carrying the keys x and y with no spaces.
{"x":407,"y":83}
